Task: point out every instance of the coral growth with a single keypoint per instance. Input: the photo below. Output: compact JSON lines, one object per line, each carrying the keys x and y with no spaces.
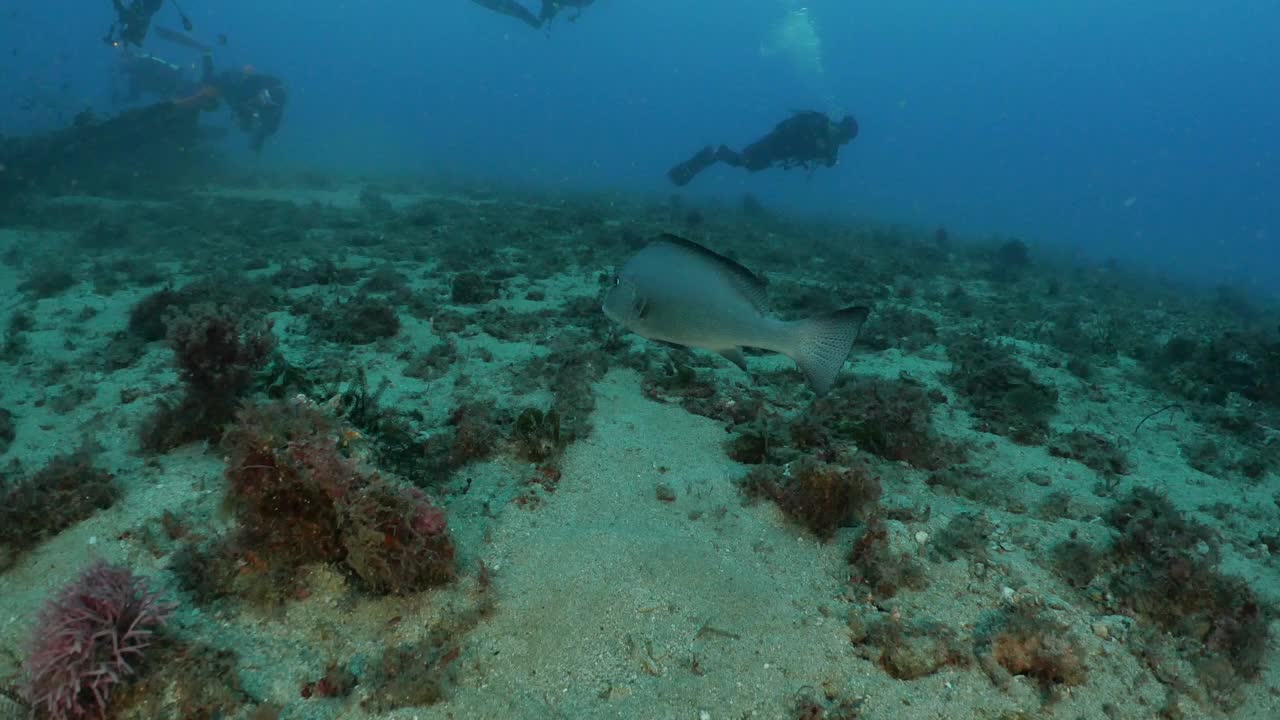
{"x":822,"y":497}
{"x":90,"y":640}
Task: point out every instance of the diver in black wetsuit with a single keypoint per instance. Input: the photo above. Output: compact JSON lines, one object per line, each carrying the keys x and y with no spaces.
{"x":511,"y":8}
{"x":802,"y":140}
{"x":550,"y":8}
{"x":256,"y":100}
{"x":132,"y":21}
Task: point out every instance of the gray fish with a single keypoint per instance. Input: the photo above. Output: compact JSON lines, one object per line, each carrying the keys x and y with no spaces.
{"x":677,"y":291}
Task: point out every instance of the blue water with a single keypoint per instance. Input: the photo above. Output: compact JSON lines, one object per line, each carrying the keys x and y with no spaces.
{"x":1146,"y":130}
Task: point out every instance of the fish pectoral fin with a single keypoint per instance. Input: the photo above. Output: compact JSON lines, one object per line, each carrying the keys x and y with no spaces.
{"x":735,"y":356}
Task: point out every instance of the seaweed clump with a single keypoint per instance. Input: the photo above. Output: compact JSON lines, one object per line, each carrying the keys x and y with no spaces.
{"x":831,"y":704}
{"x":183,"y":680}
{"x":890,"y":419}
{"x":217,"y":356}
{"x":1004,"y":396}
{"x":46,"y":282}
{"x":8,"y":430}
{"x":1093,"y":450}
{"x":472,"y":434}
{"x":1010,"y":260}
{"x":568,"y":373}
{"x":908,"y":651}
{"x":975,"y":484}
{"x":1167,"y":574}
{"x":1209,"y":371}
{"x":899,"y":327}
{"x":471,"y":289}
{"x":360,"y":321}
{"x":883,"y":562}
{"x":416,"y":674}
{"x":818,"y":495}
{"x":1162,"y":568}
{"x":396,"y":540}
{"x":1024,"y":641}
{"x":299,"y":497}
{"x":966,"y":536}
{"x":65,"y":491}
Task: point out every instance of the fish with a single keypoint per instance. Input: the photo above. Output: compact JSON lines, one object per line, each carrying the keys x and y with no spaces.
{"x":678,"y":292}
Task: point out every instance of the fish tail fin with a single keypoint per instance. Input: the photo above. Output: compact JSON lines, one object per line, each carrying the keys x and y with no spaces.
{"x":822,"y":344}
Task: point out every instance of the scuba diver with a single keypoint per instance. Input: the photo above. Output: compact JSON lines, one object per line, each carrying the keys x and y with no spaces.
{"x":802,"y":140}
{"x":550,"y":8}
{"x":132,"y":21}
{"x":511,"y":8}
{"x":256,"y":100}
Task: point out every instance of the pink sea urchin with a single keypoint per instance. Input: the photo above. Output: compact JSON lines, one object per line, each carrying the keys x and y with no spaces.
{"x":88,"y":639}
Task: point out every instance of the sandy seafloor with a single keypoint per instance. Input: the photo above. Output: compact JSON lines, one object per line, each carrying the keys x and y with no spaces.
{"x":609,"y":603}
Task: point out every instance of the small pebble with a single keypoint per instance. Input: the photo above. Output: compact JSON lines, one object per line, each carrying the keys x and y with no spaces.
{"x":922,"y":537}
{"x":93,"y":539}
{"x":704,"y":715}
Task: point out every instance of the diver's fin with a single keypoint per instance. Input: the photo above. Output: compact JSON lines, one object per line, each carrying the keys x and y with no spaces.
{"x":735,"y":356}
{"x":823,"y":344}
{"x":682,"y":174}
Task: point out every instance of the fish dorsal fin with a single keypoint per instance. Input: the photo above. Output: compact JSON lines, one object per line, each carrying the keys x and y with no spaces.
{"x":752,"y":286}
